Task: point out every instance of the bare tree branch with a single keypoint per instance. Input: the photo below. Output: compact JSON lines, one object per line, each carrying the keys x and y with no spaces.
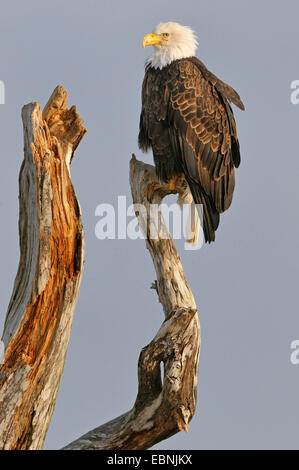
{"x":163,"y":406}
{"x":40,"y":313}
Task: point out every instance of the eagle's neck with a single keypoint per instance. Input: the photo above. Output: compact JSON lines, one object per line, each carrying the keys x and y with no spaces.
{"x":165,"y":55}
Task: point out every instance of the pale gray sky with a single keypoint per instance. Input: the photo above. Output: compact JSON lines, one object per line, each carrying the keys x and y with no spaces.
{"x":246,"y":284}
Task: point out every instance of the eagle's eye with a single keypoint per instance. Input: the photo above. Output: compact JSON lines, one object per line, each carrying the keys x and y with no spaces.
{"x":165,"y":35}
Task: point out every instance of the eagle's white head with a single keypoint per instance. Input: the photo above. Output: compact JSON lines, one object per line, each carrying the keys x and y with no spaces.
{"x":171,"y":41}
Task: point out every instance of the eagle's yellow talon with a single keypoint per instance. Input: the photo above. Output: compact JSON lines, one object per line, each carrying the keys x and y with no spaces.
{"x":172,"y":182}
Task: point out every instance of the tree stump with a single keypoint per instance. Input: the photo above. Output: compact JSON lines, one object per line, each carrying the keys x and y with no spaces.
{"x":39,"y":318}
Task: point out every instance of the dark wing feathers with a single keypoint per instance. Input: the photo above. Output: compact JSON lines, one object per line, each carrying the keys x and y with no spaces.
{"x":195,"y":101}
{"x":187,"y":120}
{"x":223,"y":88}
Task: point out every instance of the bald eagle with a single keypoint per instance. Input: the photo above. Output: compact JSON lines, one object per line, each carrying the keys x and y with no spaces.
{"x":187,"y":121}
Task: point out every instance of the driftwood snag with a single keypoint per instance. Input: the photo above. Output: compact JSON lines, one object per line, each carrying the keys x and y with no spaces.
{"x":163,"y":406}
{"x":40,"y":313}
{"x":39,"y":318}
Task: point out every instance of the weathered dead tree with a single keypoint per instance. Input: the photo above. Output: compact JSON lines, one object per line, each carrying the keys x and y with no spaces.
{"x":40,"y":313}
{"x":39,"y":318}
{"x":165,"y":405}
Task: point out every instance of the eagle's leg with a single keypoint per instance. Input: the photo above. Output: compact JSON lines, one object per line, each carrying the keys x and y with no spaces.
{"x":193,"y":221}
{"x":174,"y":179}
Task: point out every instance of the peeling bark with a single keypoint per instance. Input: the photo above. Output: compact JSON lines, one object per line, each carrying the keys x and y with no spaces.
{"x":162,"y":407}
{"x":39,"y":318}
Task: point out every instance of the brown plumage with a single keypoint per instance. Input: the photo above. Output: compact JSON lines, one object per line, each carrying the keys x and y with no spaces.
{"x":188,"y":122}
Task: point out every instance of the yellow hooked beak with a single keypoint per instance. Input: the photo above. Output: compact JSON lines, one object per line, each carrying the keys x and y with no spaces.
{"x":151,"y":39}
